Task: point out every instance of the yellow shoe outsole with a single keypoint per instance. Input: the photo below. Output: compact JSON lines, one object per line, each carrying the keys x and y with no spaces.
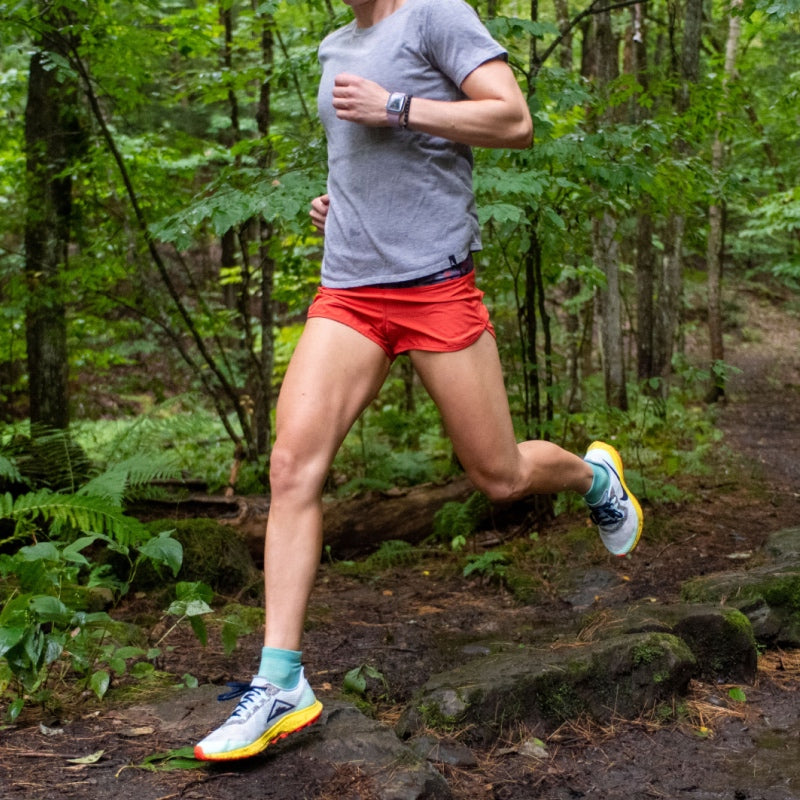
{"x":289,"y":724}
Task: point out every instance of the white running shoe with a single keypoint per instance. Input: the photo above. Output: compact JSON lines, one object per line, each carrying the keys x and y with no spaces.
{"x":618,"y":515}
{"x":265,"y":714}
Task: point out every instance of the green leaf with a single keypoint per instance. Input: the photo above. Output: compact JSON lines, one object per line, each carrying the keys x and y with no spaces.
{"x":354,"y":681}
{"x":99,"y":683}
{"x":164,"y":550}
{"x":50,"y":609}
{"x":142,"y":670}
{"x":194,"y":590}
{"x":199,"y":627}
{"x":10,"y":637}
{"x":230,"y":636}
{"x":182,"y":758}
{"x":14,"y":708}
{"x":72,"y":552}
{"x":189,"y":608}
{"x":189,"y":681}
{"x":41,"y":551}
{"x":737,"y":694}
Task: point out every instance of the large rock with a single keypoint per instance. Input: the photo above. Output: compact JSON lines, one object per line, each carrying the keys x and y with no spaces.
{"x":346,"y":736}
{"x":769,"y":595}
{"x":720,"y":637}
{"x":621,"y":676}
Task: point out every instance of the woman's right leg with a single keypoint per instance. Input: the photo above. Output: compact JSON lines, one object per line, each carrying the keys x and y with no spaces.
{"x":334,"y":374}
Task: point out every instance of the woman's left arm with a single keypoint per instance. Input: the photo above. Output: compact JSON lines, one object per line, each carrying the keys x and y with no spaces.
{"x":495,"y":113}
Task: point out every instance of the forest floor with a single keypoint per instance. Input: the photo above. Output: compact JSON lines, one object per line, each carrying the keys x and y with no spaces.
{"x":411,"y":621}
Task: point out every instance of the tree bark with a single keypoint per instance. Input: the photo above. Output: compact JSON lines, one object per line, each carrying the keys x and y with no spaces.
{"x":716,"y":223}
{"x":605,"y":247}
{"x":262,"y":378}
{"x":609,"y":301}
{"x":52,"y":135}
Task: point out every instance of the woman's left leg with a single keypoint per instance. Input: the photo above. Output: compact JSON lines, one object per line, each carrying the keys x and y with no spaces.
{"x":468,"y":388}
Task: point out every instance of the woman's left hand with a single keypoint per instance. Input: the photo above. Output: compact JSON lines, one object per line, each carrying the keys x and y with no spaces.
{"x":360,"y":100}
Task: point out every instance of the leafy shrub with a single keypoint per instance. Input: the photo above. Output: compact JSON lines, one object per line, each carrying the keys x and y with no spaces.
{"x":454,"y":521}
{"x":49,"y":624}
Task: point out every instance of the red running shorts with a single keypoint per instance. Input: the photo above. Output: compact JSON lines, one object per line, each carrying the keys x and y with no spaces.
{"x":440,"y":318}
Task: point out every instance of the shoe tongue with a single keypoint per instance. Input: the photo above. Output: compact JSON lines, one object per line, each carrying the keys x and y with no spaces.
{"x":259,"y":682}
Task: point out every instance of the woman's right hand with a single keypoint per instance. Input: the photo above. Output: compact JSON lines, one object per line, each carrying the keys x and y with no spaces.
{"x":319,"y":211}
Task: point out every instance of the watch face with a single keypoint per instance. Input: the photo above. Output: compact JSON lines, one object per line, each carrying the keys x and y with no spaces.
{"x":395,"y":104}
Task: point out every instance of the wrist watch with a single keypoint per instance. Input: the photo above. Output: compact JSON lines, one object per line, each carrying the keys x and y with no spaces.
{"x":397,"y":109}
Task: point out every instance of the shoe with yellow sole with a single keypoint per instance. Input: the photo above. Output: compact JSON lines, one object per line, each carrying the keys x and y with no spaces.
{"x":265,"y":714}
{"x":618,"y":515}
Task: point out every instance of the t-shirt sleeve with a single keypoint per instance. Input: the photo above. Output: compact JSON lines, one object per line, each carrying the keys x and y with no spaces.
{"x":455,"y":40}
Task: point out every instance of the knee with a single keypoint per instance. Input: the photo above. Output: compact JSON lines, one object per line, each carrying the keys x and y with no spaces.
{"x":497,"y":488}
{"x":290,"y":474}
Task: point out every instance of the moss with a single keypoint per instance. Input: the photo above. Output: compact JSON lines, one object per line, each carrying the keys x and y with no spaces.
{"x":646,"y":653}
{"x":525,"y":588}
{"x":735,"y":619}
{"x":783,"y":592}
{"x":434,"y":718}
{"x":558,"y":700}
{"x":213,"y":553}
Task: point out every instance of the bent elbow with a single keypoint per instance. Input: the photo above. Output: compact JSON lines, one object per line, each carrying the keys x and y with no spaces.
{"x":522,"y":136}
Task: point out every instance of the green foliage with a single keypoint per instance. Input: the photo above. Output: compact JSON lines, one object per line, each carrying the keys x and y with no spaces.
{"x":455,"y":522}
{"x":48,"y":626}
{"x":180,"y":758}
{"x":491,"y":565}
{"x":72,"y":512}
{"x":355,"y":681}
{"x":391,"y":553}
{"x":737,"y":694}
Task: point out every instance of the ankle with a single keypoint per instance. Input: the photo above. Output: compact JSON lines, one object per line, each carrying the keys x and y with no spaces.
{"x":280,"y":667}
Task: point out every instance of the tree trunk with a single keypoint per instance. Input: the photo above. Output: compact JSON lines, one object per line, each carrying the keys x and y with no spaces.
{"x":265,"y":364}
{"x":563,"y":22}
{"x":669,"y":291}
{"x":609,"y":302}
{"x":646,"y":260}
{"x":716,"y":227}
{"x":52,"y":135}
{"x":605,"y":247}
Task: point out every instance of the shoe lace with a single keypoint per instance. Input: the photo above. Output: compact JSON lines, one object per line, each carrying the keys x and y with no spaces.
{"x":607,"y":513}
{"x":246,"y":691}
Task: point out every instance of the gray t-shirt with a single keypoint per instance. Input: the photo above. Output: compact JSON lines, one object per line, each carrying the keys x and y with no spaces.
{"x":401,"y":202}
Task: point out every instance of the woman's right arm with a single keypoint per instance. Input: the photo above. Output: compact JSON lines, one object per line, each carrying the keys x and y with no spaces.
{"x":319,"y":211}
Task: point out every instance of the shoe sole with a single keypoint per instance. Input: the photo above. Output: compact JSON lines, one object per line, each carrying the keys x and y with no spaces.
{"x":289,"y":724}
{"x":617,"y":461}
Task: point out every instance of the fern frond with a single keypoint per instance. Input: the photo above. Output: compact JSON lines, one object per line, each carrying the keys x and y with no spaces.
{"x":89,"y":514}
{"x":9,"y":471}
{"x":132,"y":473}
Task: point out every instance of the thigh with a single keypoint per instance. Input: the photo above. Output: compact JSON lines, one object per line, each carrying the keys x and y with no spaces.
{"x":468,"y":388}
{"x":334,"y":373}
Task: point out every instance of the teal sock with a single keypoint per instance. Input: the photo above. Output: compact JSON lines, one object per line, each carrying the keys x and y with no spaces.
{"x":600,"y":483}
{"x":281,"y":667}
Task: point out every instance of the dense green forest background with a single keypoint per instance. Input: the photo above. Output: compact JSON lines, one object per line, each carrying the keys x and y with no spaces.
{"x":157,"y":161}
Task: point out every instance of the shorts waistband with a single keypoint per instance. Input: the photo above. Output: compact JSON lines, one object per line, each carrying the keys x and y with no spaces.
{"x":455,"y":270}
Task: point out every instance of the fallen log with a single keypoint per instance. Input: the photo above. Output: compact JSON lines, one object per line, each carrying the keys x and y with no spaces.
{"x":352,"y":526}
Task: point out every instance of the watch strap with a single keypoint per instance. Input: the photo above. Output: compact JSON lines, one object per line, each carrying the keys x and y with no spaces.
{"x":406,"y":109}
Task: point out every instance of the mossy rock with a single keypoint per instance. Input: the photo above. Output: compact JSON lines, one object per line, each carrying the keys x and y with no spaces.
{"x":213,"y":553}
{"x":769,"y":597}
{"x":721,"y":638}
{"x":623,"y":676}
